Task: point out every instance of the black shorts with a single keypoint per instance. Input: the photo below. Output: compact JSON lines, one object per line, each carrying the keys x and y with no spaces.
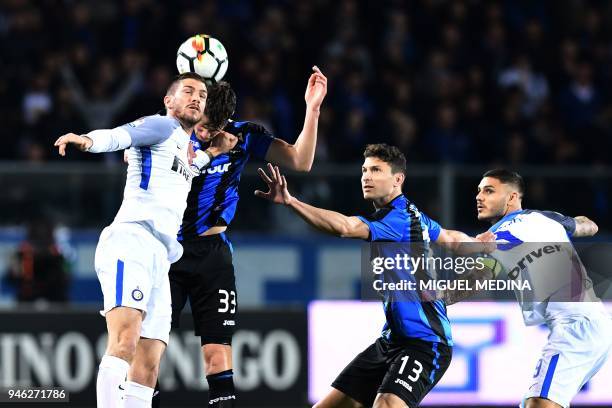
{"x":205,"y":276}
{"x":408,"y":370}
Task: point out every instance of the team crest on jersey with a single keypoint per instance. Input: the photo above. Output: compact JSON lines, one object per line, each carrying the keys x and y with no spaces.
{"x":136,"y":123}
{"x":137,"y":295}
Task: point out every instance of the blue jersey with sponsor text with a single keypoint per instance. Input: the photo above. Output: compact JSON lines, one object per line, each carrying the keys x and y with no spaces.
{"x":401,"y":221}
{"x":214,"y":194}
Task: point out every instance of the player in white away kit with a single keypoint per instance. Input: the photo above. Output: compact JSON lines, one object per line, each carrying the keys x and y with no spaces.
{"x":534,"y":246}
{"x":134,"y":253}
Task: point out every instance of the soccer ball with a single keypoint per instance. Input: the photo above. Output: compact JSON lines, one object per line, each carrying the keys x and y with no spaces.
{"x":204,"y":55}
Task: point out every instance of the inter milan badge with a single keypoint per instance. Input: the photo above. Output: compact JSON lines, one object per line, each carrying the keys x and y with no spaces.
{"x":137,"y":295}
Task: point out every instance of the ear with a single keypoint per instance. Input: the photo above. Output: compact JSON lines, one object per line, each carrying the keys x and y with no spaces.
{"x":168,"y":101}
{"x":514,"y":197}
{"x":399,"y":178}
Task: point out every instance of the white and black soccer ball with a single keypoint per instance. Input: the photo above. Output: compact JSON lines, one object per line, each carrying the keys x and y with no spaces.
{"x":204,"y":55}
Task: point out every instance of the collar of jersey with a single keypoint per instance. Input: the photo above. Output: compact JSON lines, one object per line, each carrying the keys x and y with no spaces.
{"x":506,"y":217}
{"x":397,"y":202}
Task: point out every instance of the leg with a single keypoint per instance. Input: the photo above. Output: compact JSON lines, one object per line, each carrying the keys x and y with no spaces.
{"x":123,"y":324}
{"x":386,"y":400}
{"x":143,"y":372}
{"x":217,"y":358}
{"x":219,"y":374}
{"x":337,"y":399}
{"x":214,"y":304}
{"x":541,"y":403}
{"x":178,"y":293}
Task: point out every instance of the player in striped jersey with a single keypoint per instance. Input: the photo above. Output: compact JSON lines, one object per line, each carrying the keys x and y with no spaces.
{"x":415,"y":347}
{"x":205,"y":274}
{"x":535,"y":246}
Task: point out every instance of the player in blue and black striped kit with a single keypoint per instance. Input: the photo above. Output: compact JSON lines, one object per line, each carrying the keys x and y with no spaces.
{"x":415,"y":347}
{"x":205,"y":274}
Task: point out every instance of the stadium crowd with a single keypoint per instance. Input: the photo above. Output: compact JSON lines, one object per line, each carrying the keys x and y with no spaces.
{"x":452,"y":81}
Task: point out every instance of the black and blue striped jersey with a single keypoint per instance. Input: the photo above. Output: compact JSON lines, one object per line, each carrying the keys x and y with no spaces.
{"x":214,"y":194}
{"x":401,"y":221}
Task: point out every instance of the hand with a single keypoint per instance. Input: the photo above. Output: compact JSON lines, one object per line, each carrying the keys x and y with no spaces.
{"x":488,"y":240}
{"x":222,"y":142}
{"x":83,"y":143}
{"x":316,"y":89}
{"x":277,"y":185}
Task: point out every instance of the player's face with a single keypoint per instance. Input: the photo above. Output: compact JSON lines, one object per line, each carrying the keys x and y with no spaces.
{"x":492,"y":199}
{"x":203,"y":132}
{"x":189,"y":101}
{"x":377,"y":179}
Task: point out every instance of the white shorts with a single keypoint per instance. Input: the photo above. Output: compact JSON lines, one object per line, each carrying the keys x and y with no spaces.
{"x":132,"y":267}
{"x":575,"y":352}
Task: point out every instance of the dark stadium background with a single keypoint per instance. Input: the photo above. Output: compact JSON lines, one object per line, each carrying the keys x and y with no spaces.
{"x":459,"y":86}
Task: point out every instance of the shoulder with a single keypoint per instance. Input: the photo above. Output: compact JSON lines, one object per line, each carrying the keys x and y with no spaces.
{"x":154,"y":122}
{"x":246,"y":128}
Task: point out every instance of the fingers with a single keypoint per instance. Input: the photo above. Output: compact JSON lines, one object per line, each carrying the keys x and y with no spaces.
{"x":279,"y":177}
{"x":284,"y":182}
{"x":316,"y":69}
{"x":272,"y":172}
{"x":61,"y":143}
{"x":261,"y":194}
{"x":264,"y":176}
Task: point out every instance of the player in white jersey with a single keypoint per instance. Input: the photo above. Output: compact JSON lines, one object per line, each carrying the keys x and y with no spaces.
{"x":134,"y":253}
{"x":534,"y":246}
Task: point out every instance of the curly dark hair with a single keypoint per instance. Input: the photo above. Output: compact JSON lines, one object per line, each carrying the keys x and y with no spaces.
{"x":389,"y":154}
{"x":220,"y":105}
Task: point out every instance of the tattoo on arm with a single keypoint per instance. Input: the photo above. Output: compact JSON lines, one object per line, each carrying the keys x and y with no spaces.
{"x":585,"y":227}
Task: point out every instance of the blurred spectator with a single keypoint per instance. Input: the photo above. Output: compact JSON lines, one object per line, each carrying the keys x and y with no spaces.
{"x":503,"y":68}
{"x":38,"y":270}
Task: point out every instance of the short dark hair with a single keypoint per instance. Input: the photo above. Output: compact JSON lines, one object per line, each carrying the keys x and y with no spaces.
{"x":179,"y":78}
{"x":220,"y":105}
{"x":508,"y":177}
{"x":389,"y":154}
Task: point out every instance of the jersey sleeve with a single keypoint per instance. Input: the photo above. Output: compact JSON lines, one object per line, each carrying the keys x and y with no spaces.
{"x":150,"y":130}
{"x":568,"y":222}
{"x":258,"y":140}
{"x":433,"y":228}
{"x":385,"y":225}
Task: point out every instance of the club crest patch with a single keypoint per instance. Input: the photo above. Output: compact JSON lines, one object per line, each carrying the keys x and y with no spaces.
{"x":137,"y":295}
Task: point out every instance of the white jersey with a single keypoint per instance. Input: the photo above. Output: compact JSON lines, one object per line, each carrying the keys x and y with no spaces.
{"x":158,"y":176}
{"x":534,"y":246}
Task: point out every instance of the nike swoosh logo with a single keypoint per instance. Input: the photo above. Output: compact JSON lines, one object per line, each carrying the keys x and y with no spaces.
{"x":121,"y":388}
{"x":155,"y":393}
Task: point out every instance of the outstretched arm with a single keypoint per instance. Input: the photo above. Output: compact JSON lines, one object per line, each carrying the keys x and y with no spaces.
{"x":300,"y":155}
{"x":585,"y":227}
{"x":327,"y":221}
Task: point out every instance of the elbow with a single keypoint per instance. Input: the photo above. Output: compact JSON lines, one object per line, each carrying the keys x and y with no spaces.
{"x":304,"y":167}
{"x":301,"y":165}
{"x":344,"y":232}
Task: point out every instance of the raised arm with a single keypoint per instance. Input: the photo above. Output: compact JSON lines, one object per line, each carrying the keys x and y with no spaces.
{"x":585,"y":227}
{"x":300,"y":155}
{"x":327,"y":221}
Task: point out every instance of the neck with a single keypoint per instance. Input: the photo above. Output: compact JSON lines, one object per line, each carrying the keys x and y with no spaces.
{"x":187,"y":127}
{"x":509,"y":210}
{"x":383,"y":201}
